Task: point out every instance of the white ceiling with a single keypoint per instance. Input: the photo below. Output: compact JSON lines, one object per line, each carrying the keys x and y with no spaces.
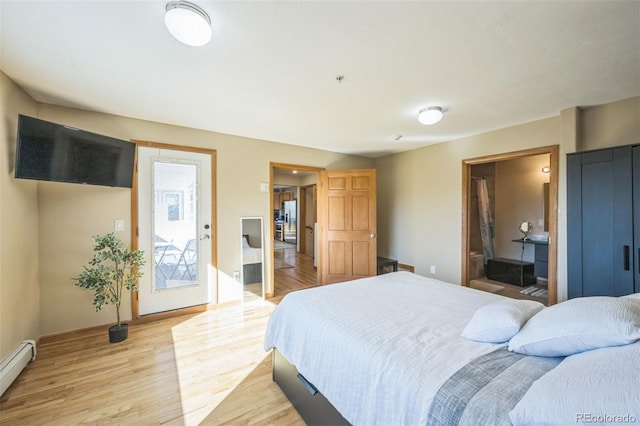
{"x":270,"y":70}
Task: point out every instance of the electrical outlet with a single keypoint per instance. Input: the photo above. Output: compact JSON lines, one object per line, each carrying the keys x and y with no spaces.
{"x":432,"y":269}
{"x":236,"y":275}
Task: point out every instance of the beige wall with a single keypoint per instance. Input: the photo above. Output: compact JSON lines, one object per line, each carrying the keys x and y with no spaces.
{"x":19,"y":286}
{"x":613,"y":124}
{"x":419,"y":191}
{"x":420,"y":195}
{"x":519,"y":197}
{"x":70,"y":214}
{"x":251,"y":227}
{"x":287,"y":180}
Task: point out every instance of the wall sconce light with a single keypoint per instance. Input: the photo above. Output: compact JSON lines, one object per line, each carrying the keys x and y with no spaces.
{"x":430,"y":115}
{"x":546,"y":169}
{"x":188,"y":23}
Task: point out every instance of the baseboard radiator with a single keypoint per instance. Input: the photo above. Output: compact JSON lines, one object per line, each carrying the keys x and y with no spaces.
{"x":13,"y":365}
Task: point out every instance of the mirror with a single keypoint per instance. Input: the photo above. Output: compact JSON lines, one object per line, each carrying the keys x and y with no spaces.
{"x":252,"y":258}
{"x":526,"y":228}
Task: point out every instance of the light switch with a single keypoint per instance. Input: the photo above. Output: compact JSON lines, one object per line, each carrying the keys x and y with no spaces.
{"x":119,"y":225}
{"x":264,"y":187}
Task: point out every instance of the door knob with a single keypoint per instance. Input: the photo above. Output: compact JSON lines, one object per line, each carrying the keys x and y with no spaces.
{"x":372,"y":236}
{"x":205,"y":237}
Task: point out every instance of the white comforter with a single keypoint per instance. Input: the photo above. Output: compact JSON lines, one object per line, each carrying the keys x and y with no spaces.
{"x":379,"y":348}
{"x":251,"y":255}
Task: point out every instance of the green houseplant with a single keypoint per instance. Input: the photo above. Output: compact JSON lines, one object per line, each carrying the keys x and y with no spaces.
{"x":112,"y":269}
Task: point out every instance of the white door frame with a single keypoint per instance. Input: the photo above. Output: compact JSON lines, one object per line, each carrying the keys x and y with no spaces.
{"x":213,"y":240}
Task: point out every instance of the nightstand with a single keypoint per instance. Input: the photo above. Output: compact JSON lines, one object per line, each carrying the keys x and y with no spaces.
{"x":386,"y":265}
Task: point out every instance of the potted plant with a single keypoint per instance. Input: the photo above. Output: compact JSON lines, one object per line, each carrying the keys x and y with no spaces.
{"x":112,"y":269}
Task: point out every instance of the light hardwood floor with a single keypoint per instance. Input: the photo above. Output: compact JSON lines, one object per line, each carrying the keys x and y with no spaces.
{"x":507,"y":290}
{"x":513,"y":291}
{"x":206,"y":368}
{"x":302,"y":275}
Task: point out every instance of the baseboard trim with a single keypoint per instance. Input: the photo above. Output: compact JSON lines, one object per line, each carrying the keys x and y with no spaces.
{"x":100,"y":329}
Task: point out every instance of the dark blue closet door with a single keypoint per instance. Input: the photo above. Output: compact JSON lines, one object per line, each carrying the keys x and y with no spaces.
{"x":636,"y":216}
{"x":574,"y":226}
{"x":600,"y":223}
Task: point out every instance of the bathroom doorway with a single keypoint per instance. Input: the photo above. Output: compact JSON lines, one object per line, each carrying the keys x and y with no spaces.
{"x":517,"y":189}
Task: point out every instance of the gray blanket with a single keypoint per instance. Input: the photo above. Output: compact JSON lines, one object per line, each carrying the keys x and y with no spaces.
{"x":486,"y":389}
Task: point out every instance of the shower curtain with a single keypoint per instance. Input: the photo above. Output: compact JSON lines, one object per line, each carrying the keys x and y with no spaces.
{"x":486,"y":221}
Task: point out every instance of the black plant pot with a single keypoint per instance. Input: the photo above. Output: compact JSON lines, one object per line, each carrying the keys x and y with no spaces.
{"x":118,"y":333}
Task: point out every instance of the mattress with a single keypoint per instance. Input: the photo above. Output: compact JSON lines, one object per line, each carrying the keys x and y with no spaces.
{"x":251,"y":255}
{"x":379,"y":348}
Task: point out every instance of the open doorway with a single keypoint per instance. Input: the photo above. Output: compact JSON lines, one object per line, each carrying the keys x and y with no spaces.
{"x":294,"y":216}
{"x":501,"y":193}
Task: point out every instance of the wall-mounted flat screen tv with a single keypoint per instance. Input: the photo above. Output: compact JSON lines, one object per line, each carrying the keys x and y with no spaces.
{"x":58,"y":153}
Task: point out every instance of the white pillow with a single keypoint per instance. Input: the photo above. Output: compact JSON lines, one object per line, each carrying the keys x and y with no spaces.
{"x":584,"y":386}
{"x":579,"y":325}
{"x":245,"y":243}
{"x":497,"y":322}
{"x":632,"y":296}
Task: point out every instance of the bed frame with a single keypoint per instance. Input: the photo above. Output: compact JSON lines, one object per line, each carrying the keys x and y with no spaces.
{"x":252,"y":273}
{"x":312,"y":406}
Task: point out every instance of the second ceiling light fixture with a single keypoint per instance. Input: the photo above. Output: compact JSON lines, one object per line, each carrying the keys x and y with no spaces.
{"x":188,"y":23}
{"x":430,"y":115}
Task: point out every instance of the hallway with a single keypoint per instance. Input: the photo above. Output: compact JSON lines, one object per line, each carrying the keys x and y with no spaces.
{"x":297,"y":271}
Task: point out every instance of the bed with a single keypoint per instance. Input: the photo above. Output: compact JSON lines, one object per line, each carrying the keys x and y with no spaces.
{"x":251,"y":262}
{"x":389,"y":350}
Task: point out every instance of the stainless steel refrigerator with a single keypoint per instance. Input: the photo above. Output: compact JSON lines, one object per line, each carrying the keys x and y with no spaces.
{"x":290,"y":225}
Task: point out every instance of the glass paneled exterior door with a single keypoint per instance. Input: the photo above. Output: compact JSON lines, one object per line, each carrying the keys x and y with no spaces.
{"x":175,"y":226}
{"x":174,"y":221}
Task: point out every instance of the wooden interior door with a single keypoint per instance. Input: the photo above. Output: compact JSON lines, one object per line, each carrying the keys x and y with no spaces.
{"x":347,"y":225}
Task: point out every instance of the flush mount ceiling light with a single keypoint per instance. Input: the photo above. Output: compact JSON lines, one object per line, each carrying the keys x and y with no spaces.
{"x":430,"y":115}
{"x":188,"y":23}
